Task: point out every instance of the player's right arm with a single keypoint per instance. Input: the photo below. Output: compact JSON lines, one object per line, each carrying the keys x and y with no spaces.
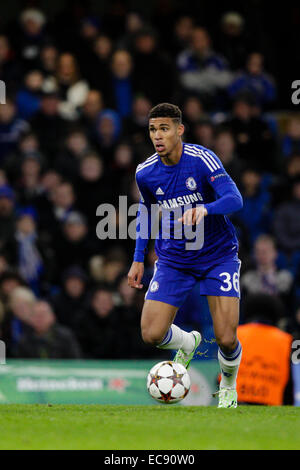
{"x":143,"y":229}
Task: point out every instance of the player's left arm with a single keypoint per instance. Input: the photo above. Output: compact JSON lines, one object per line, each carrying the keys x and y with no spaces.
{"x":229,"y":197}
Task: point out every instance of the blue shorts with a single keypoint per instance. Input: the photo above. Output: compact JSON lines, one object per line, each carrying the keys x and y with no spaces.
{"x":172,"y":285}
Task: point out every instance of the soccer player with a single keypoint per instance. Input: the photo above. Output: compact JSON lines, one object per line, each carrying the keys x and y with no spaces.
{"x":191,"y":179}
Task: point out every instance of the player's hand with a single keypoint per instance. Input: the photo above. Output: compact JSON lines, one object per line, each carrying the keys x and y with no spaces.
{"x":193,"y":216}
{"x":135,"y":275}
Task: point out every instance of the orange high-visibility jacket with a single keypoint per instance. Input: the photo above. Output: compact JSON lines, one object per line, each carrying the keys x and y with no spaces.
{"x":265,"y":366}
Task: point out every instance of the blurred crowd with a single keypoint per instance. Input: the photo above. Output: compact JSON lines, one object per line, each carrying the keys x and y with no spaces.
{"x":74,"y":127}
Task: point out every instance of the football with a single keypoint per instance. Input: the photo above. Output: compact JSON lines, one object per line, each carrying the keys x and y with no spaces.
{"x":168,"y":382}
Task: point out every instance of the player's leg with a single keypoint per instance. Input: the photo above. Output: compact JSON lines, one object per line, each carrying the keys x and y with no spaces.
{"x":158,"y":329}
{"x":167,"y":291}
{"x":225,"y":316}
{"x":221,"y":286}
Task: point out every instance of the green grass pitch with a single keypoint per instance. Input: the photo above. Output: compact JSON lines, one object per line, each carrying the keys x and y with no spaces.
{"x":159,"y":427}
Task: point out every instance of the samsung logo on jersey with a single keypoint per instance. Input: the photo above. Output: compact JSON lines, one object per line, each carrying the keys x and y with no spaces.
{"x":181,"y":200}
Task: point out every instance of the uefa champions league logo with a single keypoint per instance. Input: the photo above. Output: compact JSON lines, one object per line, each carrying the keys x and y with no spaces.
{"x":191,"y":183}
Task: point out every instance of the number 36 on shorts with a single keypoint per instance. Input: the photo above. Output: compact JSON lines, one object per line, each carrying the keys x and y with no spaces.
{"x":230,"y":281}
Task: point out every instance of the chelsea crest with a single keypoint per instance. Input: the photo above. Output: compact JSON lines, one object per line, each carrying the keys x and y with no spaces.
{"x":191,"y":183}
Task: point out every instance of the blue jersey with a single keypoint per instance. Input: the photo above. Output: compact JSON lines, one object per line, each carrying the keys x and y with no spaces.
{"x":198,"y":178}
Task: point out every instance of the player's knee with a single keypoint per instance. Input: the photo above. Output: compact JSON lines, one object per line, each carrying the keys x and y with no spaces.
{"x":151,"y":337}
{"x":227,"y":342}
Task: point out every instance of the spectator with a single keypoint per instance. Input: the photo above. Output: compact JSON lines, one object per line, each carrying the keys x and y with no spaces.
{"x":193,"y":112}
{"x":63,"y":200}
{"x":136,"y":126}
{"x":108,"y":131}
{"x":114,"y":264}
{"x":28,"y":144}
{"x":232,"y":41}
{"x":121,"y":83}
{"x":100,"y":330}
{"x":131,"y":303}
{"x":72,"y":90}
{"x":74,"y":245}
{"x":3,"y":178}
{"x":255,"y":81}
{"x":266,"y":278}
{"x":57,"y":205}
{"x":103,"y":47}
{"x":254,"y":141}
{"x":49,"y":126}
{"x":265,"y":348}
{"x":7,"y":215}
{"x":293,"y":165}
{"x":29,"y":185}
{"x":18,"y":316}
{"x":49,"y":182}
{"x":90,"y":111}
{"x":95,"y":66}
{"x":224,"y":147}
{"x":48,"y":60}
{"x":281,"y":187}
{"x":11,"y":128}
{"x":29,"y":253}
{"x":97,"y":71}
{"x":201,"y":70}
{"x":10,"y":69}
{"x":123,"y":164}
{"x":70,"y":303}
{"x":93,"y":187}
{"x":9,"y":280}
{"x":134,"y":22}
{"x":75,"y":148}
{"x":157,"y":87}
{"x":182,"y":36}
{"x":255,"y":214}
{"x":68,"y":22}
{"x":3,"y":265}
{"x":203,"y":133}
{"x":287,"y":222}
{"x":31,"y":37}
{"x":88,"y":31}
{"x":47,"y":339}
{"x":291,"y":139}
{"x":28,"y":98}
